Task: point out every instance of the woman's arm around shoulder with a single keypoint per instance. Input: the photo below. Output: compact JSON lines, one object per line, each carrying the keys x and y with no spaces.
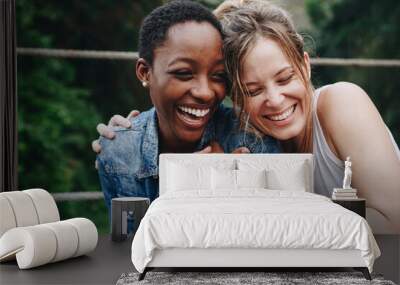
{"x":353,"y":127}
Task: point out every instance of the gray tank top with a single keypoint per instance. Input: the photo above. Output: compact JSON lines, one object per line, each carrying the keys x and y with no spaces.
{"x":329,"y":170}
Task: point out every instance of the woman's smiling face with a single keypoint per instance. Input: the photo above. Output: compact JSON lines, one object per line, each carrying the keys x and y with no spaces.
{"x":277,"y":96}
{"x":187,"y":81}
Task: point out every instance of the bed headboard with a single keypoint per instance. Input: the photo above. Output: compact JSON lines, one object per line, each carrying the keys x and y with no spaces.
{"x":277,"y":162}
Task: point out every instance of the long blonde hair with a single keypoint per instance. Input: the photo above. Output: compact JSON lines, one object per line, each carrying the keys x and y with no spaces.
{"x":243,"y":21}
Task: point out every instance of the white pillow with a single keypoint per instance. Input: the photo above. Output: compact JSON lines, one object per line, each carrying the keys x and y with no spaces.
{"x":182,"y":177}
{"x":223,"y":179}
{"x":230,"y":180}
{"x":282,"y":173}
{"x":251,"y":178}
{"x":292,"y":178}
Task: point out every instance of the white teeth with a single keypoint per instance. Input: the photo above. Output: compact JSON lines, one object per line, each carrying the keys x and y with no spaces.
{"x":194,"y":112}
{"x":282,"y":116}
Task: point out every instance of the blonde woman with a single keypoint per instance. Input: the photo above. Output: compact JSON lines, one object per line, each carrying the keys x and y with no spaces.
{"x":272,"y":89}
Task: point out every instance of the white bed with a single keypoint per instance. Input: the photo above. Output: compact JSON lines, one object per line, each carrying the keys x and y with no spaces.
{"x":253,"y":210}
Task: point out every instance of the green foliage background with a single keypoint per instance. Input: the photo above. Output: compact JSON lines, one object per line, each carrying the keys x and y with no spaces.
{"x":60,"y":101}
{"x":361,"y":29}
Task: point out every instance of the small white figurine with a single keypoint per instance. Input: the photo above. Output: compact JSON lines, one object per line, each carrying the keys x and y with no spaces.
{"x":347,"y":174}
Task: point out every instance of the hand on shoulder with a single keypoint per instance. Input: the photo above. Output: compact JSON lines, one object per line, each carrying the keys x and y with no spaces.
{"x":107,"y":131}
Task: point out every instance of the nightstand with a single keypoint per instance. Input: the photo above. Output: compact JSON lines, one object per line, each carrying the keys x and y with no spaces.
{"x":355,"y":205}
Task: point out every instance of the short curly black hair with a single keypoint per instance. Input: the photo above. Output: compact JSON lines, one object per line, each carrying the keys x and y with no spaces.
{"x":155,"y":26}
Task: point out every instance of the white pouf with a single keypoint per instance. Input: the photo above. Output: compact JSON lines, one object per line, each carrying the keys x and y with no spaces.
{"x":40,"y":244}
{"x":32,"y":233}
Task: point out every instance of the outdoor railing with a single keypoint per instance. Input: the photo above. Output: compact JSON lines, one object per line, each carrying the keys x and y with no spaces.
{"x":78,"y":196}
{"x":123,"y":55}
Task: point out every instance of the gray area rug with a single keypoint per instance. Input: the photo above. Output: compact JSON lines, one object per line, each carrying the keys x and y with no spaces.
{"x":230,"y":278}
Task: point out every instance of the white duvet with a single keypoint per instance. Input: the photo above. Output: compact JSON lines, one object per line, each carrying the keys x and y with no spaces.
{"x":252,"y":218}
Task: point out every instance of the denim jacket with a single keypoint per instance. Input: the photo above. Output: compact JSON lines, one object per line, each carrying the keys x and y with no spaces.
{"x":128,"y":164}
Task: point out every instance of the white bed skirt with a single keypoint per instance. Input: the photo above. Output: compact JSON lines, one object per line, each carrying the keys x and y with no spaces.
{"x":235,"y":257}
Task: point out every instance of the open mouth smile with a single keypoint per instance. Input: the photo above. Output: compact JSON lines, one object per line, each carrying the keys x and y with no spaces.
{"x":199,"y":113}
{"x":283,"y":115}
{"x":193,"y":117}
